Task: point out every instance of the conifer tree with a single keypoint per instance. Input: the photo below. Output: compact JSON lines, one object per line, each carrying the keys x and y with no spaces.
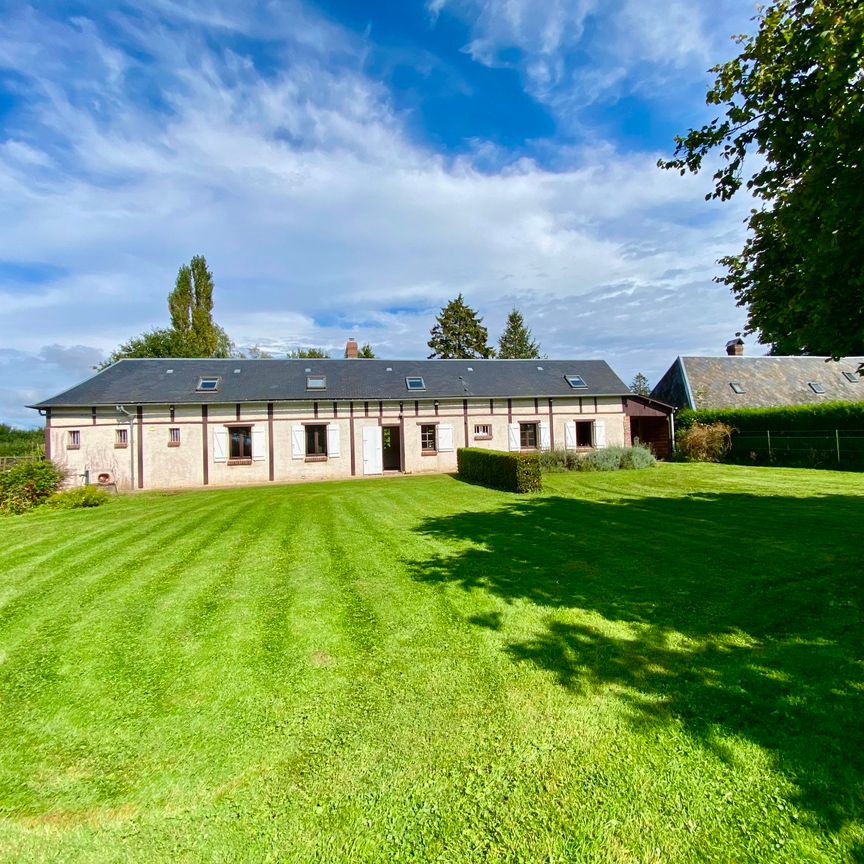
{"x":640,"y":385}
{"x":459,"y":334}
{"x":516,"y":342}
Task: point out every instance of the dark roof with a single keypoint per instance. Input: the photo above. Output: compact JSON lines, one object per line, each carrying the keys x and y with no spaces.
{"x":175,"y":381}
{"x":766,"y":382}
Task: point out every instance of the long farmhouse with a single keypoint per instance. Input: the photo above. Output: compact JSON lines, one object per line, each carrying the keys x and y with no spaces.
{"x":173,"y":423}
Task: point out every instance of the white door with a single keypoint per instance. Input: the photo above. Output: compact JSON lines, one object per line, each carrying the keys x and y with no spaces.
{"x":373,"y":450}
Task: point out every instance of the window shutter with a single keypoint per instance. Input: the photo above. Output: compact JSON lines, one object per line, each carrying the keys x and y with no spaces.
{"x":332,"y":439}
{"x":599,"y":433}
{"x":445,"y":438}
{"x":513,"y":436}
{"x":298,"y":442}
{"x":220,"y":445}
{"x":258,"y":449}
{"x":544,"y":435}
{"x":570,"y":435}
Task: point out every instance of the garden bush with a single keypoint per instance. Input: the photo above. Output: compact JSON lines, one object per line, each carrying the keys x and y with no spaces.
{"x":27,"y":484}
{"x":606,"y":459}
{"x":552,"y":461}
{"x":824,"y":415}
{"x":511,"y":472}
{"x":80,"y":496}
{"x":705,"y":442}
{"x":638,"y":456}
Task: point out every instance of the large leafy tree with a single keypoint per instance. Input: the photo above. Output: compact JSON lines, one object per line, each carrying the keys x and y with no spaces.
{"x":794,"y":97}
{"x":307,"y":354}
{"x":515,"y":342}
{"x":459,"y":334}
{"x":192,"y":333}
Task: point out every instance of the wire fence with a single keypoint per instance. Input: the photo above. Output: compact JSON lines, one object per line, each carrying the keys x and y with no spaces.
{"x":818,"y":447}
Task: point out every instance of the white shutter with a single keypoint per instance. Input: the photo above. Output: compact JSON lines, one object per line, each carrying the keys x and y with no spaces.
{"x":332,"y":439}
{"x":513,"y":436}
{"x":220,"y":445}
{"x":570,"y":435}
{"x":445,"y":438}
{"x":544,"y":435}
{"x":599,"y":433}
{"x":258,"y":448}
{"x":298,"y":442}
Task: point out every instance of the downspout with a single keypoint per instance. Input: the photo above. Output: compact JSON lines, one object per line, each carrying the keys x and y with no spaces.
{"x":130,"y":420}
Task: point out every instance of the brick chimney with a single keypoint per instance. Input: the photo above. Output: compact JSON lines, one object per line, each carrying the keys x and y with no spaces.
{"x":735,"y":347}
{"x":351,"y":349}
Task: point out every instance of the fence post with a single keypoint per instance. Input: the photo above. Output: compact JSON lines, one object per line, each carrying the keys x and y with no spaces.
{"x":768,"y":433}
{"x":837,"y":436}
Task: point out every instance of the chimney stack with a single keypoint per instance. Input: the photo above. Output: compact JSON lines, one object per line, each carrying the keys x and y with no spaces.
{"x":735,"y":347}
{"x":351,"y":349}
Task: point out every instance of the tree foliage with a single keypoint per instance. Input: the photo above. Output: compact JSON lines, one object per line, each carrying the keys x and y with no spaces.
{"x":515,"y":342}
{"x":795,"y":95}
{"x":640,"y":385}
{"x":308,"y":354}
{"x":366,"y":352}
{"x":459,"y":334}
{"x":192,"y":333}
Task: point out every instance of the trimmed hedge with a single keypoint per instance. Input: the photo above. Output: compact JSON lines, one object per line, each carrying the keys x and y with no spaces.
{"x":512,"y":472}
{"x":825,"y":415}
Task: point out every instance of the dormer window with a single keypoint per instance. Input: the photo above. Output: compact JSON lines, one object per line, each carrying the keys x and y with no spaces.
{"x":816,"y":387}
{"x":207,"y":385}
{"x":415,"y":382}
{"x":316,"y":382}
{"x":575,"y":381}
{"x":736,"y":387}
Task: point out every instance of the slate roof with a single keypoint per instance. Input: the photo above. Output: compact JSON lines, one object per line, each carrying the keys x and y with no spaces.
{"x":152,"y":381}
{"x":767,"y":382}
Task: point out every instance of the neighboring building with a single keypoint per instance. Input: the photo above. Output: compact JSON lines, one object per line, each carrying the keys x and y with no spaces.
{"x":199,"y":422}
{"x":736,"y":381}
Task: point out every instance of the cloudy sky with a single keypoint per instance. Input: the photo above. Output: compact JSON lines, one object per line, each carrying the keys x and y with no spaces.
{"x":346,"y":168}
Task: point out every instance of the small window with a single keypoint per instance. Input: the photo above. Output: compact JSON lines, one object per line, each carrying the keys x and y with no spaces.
{"x":428,"y":439}
{"x":316,"y":441}
{"x":483,"y":430}
{"x":584,"y":430}
{"x":240,"y":441}
{"x":736,"y":387}
{"x":208,"y":384}
{"x":816,"y":387}
{"x":575,"y":381}
{"x":174,"y":436}
{"x":528,"y":436}
{"x":852,"y":377}
{"x":73,"y":440}
{"x":316,"y":382}
{"x":121,"y":437}
{"x":415,"y":383}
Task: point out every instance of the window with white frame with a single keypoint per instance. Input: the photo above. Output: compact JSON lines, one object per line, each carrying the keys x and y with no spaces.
{"x":73,"y":439}
{"x":482,"y":430}
{"x":121,"y":437}
{"x":428,"y":438}
{"x":174,"y":436}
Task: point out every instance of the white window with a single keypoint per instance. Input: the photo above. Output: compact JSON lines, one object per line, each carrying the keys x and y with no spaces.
{"x":73,"y":439}
{"x":121,"y":437}
{"x":174,"y":436}
{"x":483,"y":430}
{"x":209,"y":384}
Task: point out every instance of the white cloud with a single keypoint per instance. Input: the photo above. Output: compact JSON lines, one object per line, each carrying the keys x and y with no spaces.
{"x":318,"y":215}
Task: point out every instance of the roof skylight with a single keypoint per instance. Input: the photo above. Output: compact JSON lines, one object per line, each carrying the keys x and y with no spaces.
{"x":316,"y":382}
{"x":207,"y":384}
{"x":815,"y":386}
{"x":575,"y":381}
{"x":415,"y":382}
{"x":736,"y":387}
{"x":852,"y":377}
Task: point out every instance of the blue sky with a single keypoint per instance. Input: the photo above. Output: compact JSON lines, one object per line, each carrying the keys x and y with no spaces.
{"x":347,"y":168}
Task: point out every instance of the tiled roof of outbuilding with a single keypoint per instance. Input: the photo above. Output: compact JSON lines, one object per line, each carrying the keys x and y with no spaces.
{"x":175,"y":381}
{"x":765,"y":382}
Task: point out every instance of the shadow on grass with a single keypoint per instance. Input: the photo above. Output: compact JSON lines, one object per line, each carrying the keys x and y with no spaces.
{"x":740,"y":613}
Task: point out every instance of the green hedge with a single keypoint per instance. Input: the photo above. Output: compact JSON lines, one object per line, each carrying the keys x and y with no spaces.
{"x":512,"y":472}
{"x":825,"y":415}
{"x":28,"y":484}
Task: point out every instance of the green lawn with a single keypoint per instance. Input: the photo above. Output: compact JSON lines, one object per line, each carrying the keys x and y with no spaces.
{"x":653,"y":666}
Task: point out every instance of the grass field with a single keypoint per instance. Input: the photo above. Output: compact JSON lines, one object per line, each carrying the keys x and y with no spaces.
{"x":653,"y":666}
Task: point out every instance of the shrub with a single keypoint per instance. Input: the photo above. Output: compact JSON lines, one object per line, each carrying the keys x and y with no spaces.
{"x":512,"y":472}
{"x":705,"y":442}
{"x":824,"y":415}
{"x":638,"y":456}
{"x":607,"y":459}
{"x":80,"y":496}
{"x":27,"y":484}
{"x":552,"y":461}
